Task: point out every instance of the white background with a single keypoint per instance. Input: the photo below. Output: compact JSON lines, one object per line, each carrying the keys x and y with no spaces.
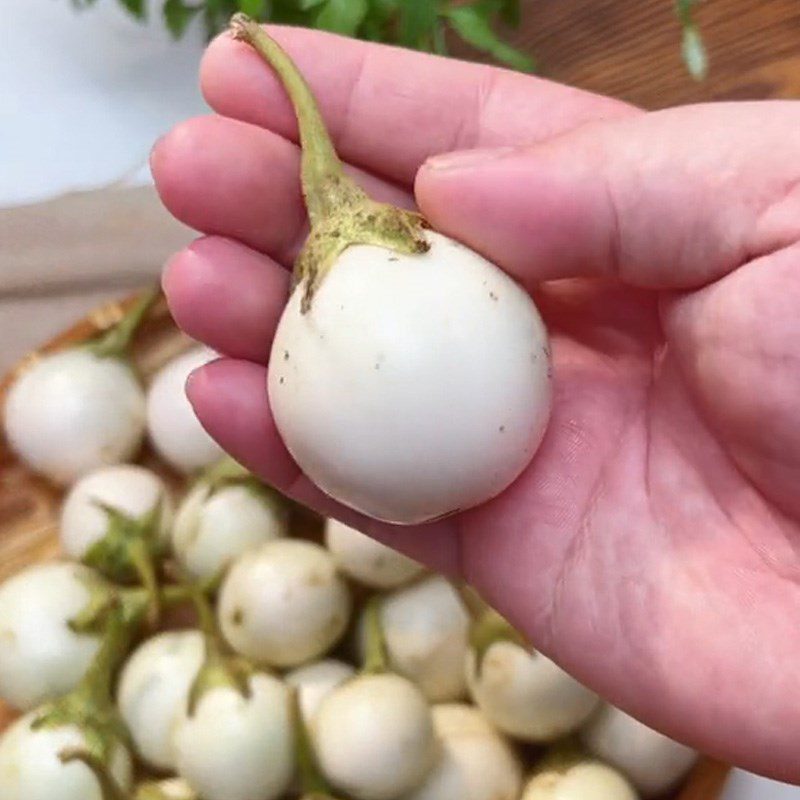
{"x":83,"y":96}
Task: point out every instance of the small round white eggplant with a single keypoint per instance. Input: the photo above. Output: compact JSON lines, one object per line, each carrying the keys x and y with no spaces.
{"x":41,"y":656}
{"x":284,"y":603}
{"x":73,"y":412}
{"x":172,"y":426}
{"x":153,"y":692}
{"x":653,"y":762}
{"x":374,"y":737}
{"x":232,"y":746}
{"x":315,"y":681}
{"x":123,"y":492}
{"x":525,"y":694}
{"x":171,"y":789}
{"x":31,"y":767}
{"x":444,"y":345}
{"x":74,"y":747}
{"x":587,"y":780}
{"x":366,"y":560}
{"x":214,"y":525}
{"x":426,"y":634}
{"x":82,"y":408}
{"x":409,"y":377}
{"x":477,"y":763}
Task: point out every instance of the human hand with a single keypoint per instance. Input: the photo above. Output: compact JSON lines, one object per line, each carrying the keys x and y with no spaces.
{"x":650,"y":547}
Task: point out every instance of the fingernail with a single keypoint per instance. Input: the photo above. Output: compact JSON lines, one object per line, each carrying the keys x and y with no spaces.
{"x":466,"y":159}
{"x":173,"y":260}
{"x":191,"y":381}
{"x":168,"y":270}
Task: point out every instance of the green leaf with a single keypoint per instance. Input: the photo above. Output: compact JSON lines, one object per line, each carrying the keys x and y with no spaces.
{"x":693,"y":50}
{"x":694,"y":53}
{"x":342,"y":16}
{"x":376,"y":25}
{"x":217,"y":14}
{"x":371,"y":31}
{"x":253,"y":8}
{"x":384,"y":8}
{"x":511,"y":13}
{"x":289,"y":12}
{"x":471,"y":23}
{"x":684,"y":8}
{"x":178,"y":15}
{"x":417,"y":23}
{"x":136,"y":7}
{"x":439,"y":41}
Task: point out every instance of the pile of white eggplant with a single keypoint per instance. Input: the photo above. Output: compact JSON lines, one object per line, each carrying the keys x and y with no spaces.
{"x":328,"y":668}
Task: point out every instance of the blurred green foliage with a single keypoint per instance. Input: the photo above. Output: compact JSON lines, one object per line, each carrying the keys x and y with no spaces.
{"x":694,"y":52}
{"x":418,"y":24}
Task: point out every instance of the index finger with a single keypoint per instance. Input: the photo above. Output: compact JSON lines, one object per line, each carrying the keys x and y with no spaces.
{"x":389,"y":109}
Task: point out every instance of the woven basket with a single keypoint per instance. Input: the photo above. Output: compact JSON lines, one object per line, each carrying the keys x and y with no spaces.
{"x":29,"y":506}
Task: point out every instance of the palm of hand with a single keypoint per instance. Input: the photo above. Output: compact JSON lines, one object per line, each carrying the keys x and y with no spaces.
{"x":649,"y":546}
{"x":647,"y":539}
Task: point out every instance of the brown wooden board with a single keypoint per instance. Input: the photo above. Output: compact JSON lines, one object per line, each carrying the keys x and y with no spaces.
{"x":630,"y":49}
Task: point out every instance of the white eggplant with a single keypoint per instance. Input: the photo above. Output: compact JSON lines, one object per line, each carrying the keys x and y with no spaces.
{"x":31,"y":767}
{"x":74,"y":747}
{"x":426,"y":633}
{"x":366,"y":560}
{"x":653,"y":762}
{"x":450,"y":360}
{"x":477,"y":763}
{"x":587,"y":780}
{"x":284,"y":603}
{"x":127,"y":496}
{"x":374,"y":737}
{"x":215,"y":524}
{"x":73,"y":412}
{"x":235,"y":746}
{"x":525,"y":694}
{"x":409,"y":377}
{"x":82,"y":408}
{"x":153,"y":692}
{"x":315,"y":681}
{"x":171,"y":789}
{"x":41,"y":656}
{"x":172,"y":426}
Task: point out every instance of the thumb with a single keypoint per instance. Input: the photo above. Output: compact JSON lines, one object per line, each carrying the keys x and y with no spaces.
{"x":667,"y":200}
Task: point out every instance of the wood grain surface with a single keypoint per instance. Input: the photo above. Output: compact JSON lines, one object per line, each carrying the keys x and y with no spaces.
{"x":62,"y":258}
{"x":631,"y":48}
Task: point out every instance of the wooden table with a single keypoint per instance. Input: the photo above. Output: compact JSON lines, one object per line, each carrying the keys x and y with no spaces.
{"x":630,"y":48}
{"x":59,"y":259}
